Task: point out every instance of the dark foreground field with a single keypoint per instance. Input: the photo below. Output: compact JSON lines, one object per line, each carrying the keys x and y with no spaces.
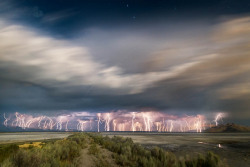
{"x":104,"y":149}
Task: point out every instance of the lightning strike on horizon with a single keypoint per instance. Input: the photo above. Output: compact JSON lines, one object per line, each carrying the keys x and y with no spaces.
{"x":132,"y":125}
{"x":114,"y":124}
{"x":107,"y":121}
{"x":59,"y":124}
{"x":80,"y":125}
{"x":99,"y":120}
{"x":217,"y":118}
{"x":66,"y":126}
{"x":5,"y":120}
{"x":171,"y":126}
{"x":138,"y":121}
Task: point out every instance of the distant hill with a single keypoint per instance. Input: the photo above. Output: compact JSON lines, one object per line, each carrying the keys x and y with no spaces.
{"x":228,"y":128}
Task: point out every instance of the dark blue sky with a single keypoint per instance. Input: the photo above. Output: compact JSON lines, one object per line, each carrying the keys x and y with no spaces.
{"x":65,"y":18}
{"x":173,"y":56}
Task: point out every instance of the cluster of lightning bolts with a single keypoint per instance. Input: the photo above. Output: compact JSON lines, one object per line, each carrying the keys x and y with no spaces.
{"x":113,"y":121}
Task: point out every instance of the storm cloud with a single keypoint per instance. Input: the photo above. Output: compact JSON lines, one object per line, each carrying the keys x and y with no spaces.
{"x":202,"y":69}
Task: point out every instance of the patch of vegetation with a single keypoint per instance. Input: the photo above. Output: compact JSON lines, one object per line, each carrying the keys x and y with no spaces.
{"x":52,"y":153}
{"x":127,"y":153}
{"x":31,"y":144}
{"x":209,"y":160}
{"x":7,"y":150}
{"x":93,"y":149}
{"x":64,"y":153}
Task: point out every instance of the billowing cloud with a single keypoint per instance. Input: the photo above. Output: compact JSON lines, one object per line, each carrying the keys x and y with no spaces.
{"x":51,"y":62}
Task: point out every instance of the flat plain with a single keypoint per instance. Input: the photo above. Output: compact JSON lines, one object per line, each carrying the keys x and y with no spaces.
{"x":30,"y":136}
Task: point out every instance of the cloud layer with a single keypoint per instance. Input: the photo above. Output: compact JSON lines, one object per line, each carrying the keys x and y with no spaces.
{"x":46,"y":61}
{"x":202,"y":73}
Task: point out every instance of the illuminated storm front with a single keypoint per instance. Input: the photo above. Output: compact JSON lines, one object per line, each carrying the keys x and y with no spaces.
{"x":113,"y":121}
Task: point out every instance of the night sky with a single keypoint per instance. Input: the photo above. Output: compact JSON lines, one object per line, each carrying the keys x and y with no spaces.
{"x":173,"y":56}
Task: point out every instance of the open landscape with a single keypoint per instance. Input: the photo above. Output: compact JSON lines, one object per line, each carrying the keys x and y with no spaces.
{"x":233,"y":149}
{"x":125,"y":83}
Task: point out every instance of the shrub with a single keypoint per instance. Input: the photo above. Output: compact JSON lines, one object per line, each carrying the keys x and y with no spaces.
{"x":127,"y":153}
{"x":93,"y":149}
{"x":52,"y":154}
